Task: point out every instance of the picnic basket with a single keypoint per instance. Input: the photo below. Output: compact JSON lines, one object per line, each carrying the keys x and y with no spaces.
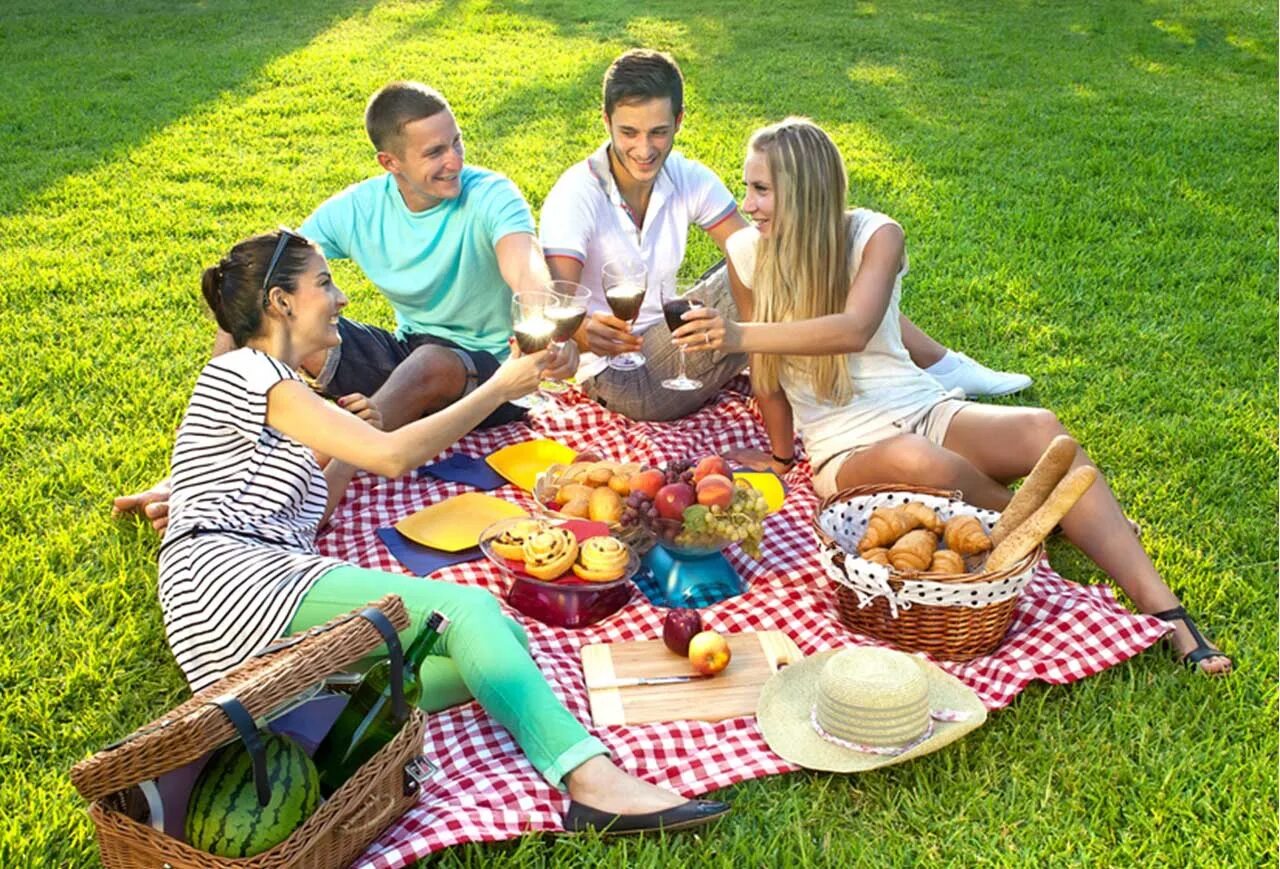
{"x":342,"y":826}
{"x":951,"y":616}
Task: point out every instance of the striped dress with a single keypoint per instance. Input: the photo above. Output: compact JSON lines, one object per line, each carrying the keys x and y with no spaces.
{"x":240,"y":550}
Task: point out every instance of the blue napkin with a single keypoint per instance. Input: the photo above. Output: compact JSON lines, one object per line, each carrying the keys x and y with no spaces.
{"x":423,"y":560}
{"x":461,"y":468}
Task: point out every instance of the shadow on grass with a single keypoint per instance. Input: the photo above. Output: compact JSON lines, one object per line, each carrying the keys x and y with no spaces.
{"x":84,"y":81}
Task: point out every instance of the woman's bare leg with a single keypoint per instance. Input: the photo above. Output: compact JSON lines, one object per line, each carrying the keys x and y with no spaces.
{"x":1005,"y":442}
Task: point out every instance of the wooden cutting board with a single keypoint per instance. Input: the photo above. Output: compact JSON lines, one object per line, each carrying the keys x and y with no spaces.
{"x":755,"y":657}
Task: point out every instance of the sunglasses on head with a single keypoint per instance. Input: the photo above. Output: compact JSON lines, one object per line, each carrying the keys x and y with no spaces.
{"x":285,"y":235}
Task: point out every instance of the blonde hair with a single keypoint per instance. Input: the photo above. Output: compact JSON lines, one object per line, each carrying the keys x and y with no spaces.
{"x":802,"y":268}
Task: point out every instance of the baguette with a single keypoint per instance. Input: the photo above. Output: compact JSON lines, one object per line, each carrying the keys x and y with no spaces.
{"x":1048,"y":472}
{"x":1036,"y":528}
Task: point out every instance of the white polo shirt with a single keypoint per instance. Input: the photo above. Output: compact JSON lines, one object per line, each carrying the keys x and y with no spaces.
{"x":585,"y":217}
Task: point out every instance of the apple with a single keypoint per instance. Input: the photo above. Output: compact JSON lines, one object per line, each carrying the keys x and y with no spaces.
{"x":709,"y":653}
{"x":711,"y":465}
{"x":715,"y":490}
{"x":679,"y":627}
{"x":648,"y":482}
{"x":672,"y":499}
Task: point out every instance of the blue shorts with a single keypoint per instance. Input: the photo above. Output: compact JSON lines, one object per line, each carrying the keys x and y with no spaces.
{"x":367,"y":356}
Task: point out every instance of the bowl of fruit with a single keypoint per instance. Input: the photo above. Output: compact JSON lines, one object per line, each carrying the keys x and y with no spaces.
{"x":565,"y":573}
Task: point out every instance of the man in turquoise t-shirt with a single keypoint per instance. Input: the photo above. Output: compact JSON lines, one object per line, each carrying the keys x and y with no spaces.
{"x":446,"y":244}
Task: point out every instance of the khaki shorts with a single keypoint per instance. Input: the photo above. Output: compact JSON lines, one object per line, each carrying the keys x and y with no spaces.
{"x":931,"y":423}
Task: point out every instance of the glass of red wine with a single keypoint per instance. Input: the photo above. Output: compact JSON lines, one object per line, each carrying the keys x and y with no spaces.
{"x":624,"y":282}
{"x":674,"y":307}
{"x":567,"y":310}
{"x":534,"y":331}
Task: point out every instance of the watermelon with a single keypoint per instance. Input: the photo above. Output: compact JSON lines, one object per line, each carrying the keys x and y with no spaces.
{"x":223,"y":815}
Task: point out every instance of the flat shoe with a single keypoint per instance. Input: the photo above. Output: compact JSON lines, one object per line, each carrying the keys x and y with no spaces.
{"x":693,"y":813}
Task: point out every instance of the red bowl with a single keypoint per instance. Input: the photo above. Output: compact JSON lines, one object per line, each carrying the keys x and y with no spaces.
{"x":567,"y":602}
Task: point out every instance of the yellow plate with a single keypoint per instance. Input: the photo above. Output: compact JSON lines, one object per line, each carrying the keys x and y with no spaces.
{"x":521,"y":463}
{"x":766,"y":484}
{"x":455,"y":523}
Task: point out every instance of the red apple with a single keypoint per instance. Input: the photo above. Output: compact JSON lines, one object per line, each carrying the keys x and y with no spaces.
{"x":711,"y":465}
{"x":649,"y":482}
{"x":709,"y":653}
{"x":715,"y":490}
{"x":679,"y":627}
{"x":672,"y":499}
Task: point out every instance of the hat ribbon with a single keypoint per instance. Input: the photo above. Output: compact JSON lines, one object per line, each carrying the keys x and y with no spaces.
{"x":888,"y":750}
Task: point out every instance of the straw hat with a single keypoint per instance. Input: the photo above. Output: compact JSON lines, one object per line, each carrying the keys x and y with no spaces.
{"x":855,"y":709}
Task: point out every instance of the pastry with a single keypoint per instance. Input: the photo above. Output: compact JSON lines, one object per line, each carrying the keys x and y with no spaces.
{"x":605,"y":505}
{"x":925,"y":517}
{"x":600,"y":474}
{"x":549,"y":553}
{"x":510,"y":543}
{"x":965,"y":535}
{"x":602,"y":559}
{"x":885,"y":526}
{"x":914,"y":550}
{"x":578,"y":508}
{"x":877,"y":555}
{"x":572,"y":492}
{"x":1048,"y":472}
{"x":1037,"y":526}
{"x":947,"y":561}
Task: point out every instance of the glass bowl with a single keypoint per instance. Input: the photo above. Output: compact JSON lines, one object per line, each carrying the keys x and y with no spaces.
{"x":567,"y":602}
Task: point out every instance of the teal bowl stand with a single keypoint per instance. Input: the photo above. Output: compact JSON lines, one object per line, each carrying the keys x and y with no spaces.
{"x":683,"y":579}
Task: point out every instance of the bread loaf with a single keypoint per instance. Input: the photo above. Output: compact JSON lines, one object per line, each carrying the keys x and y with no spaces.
{"x":1036,"y":528}
{"x":1049,"y":470}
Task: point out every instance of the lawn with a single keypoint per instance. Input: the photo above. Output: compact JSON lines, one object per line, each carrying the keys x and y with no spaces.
{"x":1089,"y":195}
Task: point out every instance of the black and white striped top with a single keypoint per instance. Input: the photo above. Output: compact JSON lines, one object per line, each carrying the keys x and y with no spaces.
{"x":240,"y":550}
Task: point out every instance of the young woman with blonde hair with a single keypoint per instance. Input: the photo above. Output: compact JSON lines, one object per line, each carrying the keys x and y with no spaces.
{"x":820,"y":286}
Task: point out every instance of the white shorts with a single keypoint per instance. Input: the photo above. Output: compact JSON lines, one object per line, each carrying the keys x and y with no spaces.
{"x":932,"y":422}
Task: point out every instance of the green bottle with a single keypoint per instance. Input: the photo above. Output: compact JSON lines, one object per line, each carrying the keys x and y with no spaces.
{"x":368,"y":721}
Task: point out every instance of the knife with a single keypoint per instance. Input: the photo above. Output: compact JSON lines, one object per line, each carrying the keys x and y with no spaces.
{"x":649,"y":680}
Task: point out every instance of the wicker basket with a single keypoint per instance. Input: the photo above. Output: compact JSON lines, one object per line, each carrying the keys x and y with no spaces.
{"x":335,"y":834}
{"x":638,"y":537}
{"x":946,"y":632}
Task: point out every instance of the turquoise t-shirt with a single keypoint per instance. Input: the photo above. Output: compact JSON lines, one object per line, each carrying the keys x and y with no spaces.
{"x":437,"y":268}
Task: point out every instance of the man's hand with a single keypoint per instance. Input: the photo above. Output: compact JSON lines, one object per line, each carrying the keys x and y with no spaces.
{"x":153,"y":504}
{"x":562,"y":361}
{"x":606,"y":335}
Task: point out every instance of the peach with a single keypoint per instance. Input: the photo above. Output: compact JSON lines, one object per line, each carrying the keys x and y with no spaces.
{"x":672,"y":499}
{"x":715,"y":490}
{"x":711,"y":465}
{"x":648,"y":482}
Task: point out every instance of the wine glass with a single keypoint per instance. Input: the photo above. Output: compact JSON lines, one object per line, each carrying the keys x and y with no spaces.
{"x":624,"y":284}
{"x":567,"y":311}
{"x":674,"y":306}
{"x":533,"y":331}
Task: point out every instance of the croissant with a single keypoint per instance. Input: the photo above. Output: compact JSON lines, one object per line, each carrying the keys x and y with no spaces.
{"x":886,"y":525}
{"x":914,"y":550}
{"x":964,"y":534}
{"x":924,"y":517}
{"x":947,"y":561}
{"x":878,"y":555}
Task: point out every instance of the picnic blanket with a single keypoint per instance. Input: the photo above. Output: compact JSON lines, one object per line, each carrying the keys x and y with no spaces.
{"x":486,"y":791}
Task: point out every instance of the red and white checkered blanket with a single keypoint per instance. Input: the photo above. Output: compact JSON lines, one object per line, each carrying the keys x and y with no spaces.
{"x":487,"y":791}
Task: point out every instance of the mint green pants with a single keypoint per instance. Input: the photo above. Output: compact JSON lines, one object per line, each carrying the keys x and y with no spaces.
{"x":483,"y":655}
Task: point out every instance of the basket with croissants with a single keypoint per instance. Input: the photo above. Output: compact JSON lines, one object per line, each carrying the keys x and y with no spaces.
{"x":922,"y":570}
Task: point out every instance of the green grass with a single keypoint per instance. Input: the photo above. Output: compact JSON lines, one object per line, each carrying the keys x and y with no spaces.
{"x":1089,"y":195}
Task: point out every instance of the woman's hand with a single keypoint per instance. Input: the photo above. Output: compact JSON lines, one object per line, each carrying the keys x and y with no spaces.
{"x":705,"y":329}
{"x":562,"y":361}
{"x":519,"y":375}
{"x":361,"y":405}
{"x":606,"y":335}
{"x":758,"y":460}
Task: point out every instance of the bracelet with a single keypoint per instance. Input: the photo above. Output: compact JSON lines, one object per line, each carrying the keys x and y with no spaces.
{"x":788,"y":462}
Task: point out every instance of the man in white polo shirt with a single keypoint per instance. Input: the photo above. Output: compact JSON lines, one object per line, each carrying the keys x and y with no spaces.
{"x":635,"y":198}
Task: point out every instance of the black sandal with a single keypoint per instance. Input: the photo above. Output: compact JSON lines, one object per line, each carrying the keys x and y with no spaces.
{"x":1203,"y":650}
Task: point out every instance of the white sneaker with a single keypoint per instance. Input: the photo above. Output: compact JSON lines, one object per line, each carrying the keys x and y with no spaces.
{"x":978,"y":380}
